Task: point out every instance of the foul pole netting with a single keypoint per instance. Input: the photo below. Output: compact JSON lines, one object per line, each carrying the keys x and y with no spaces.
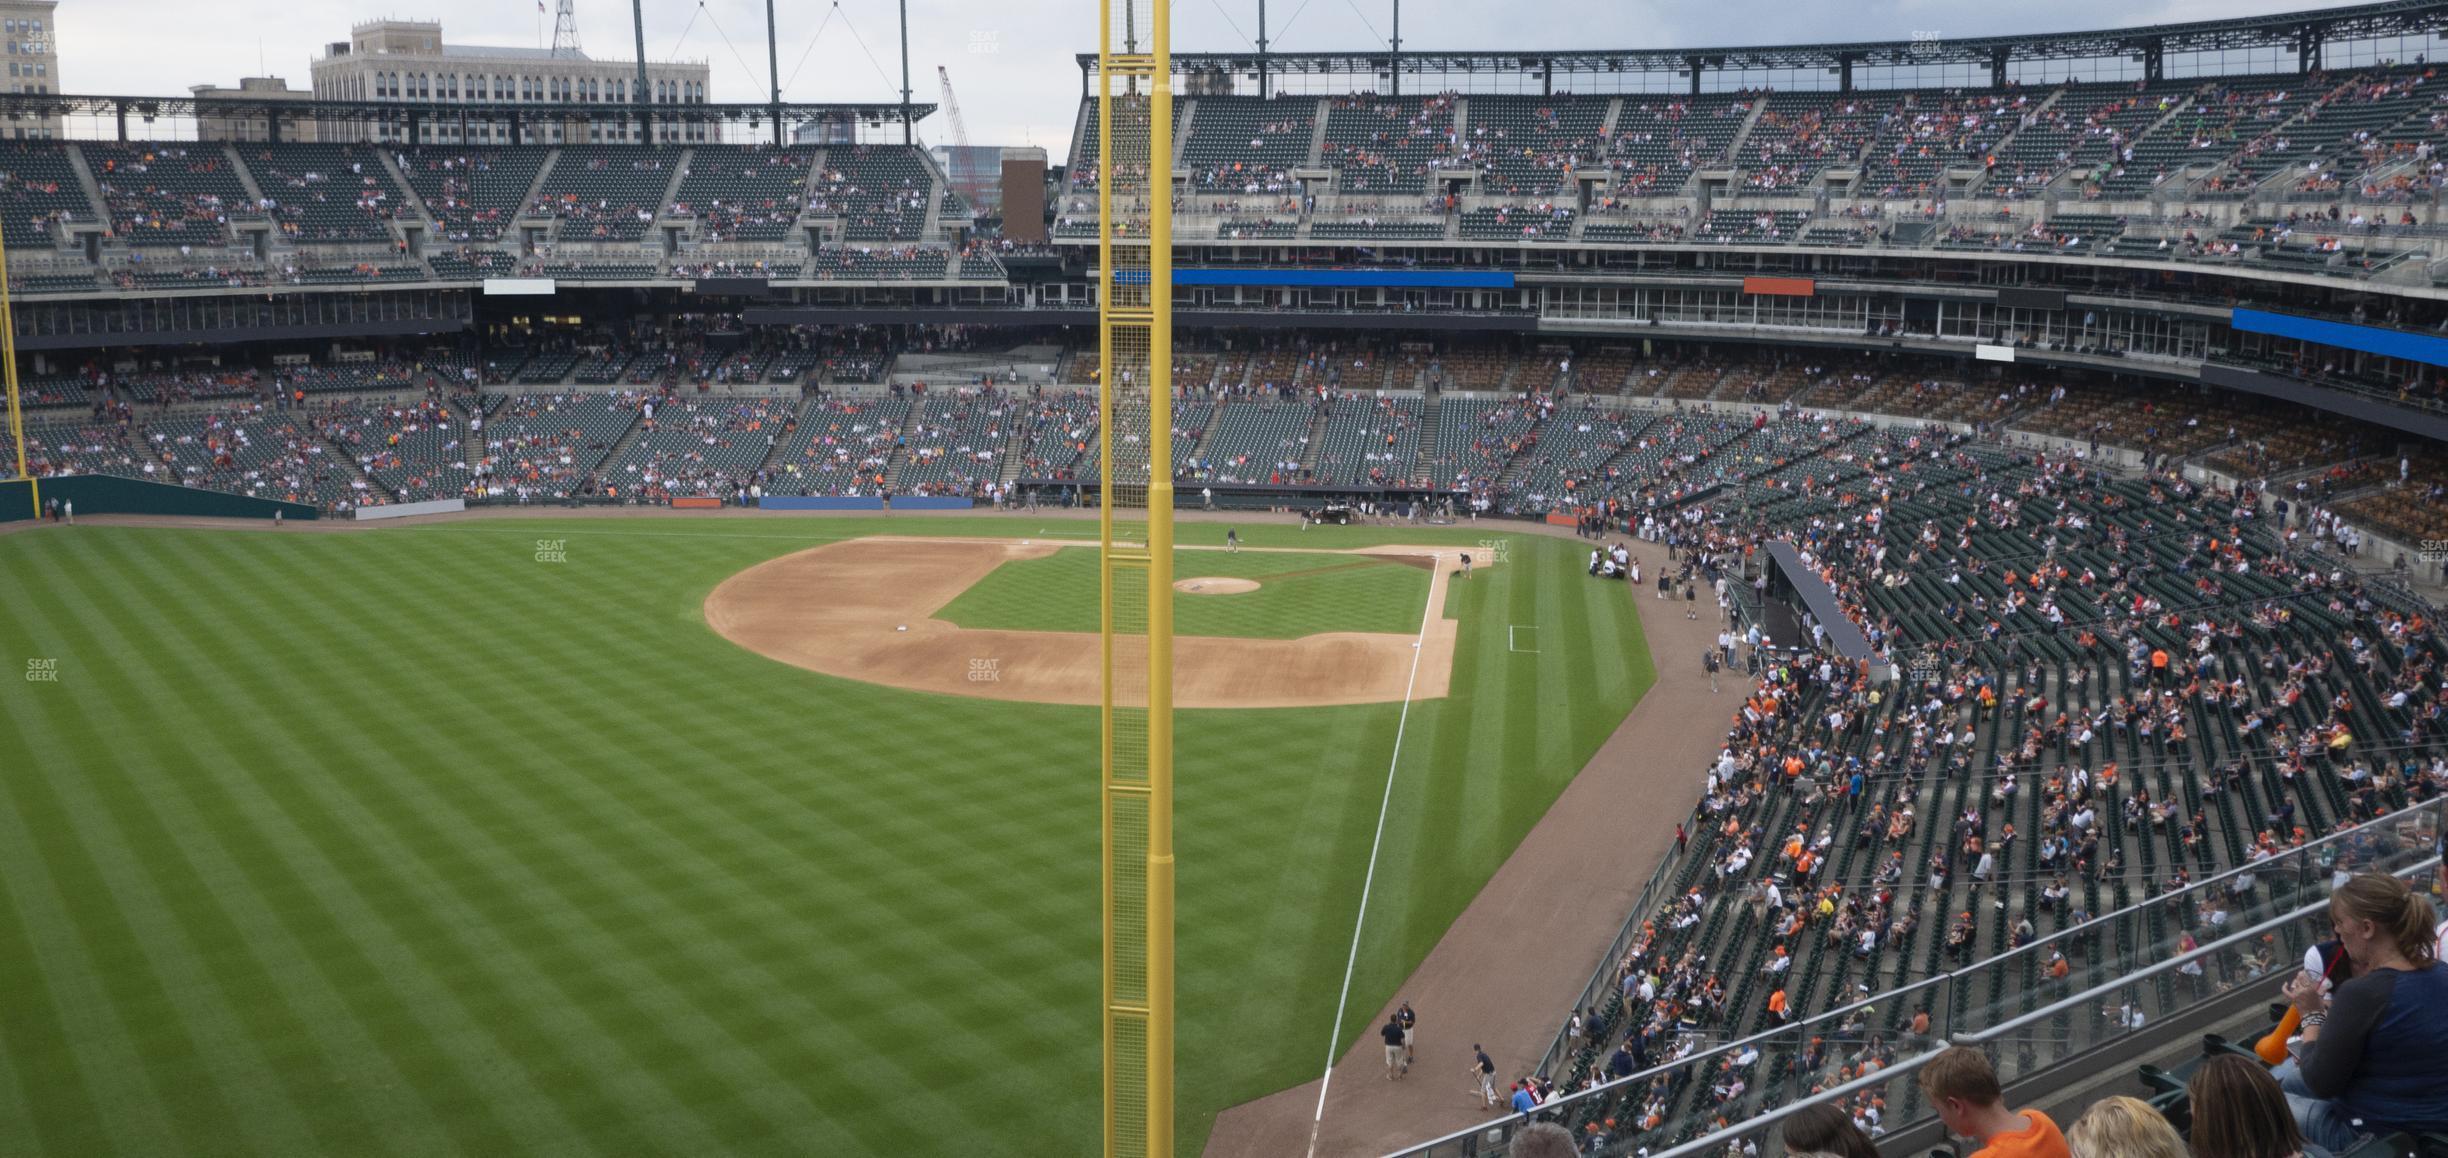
{"x":1134,"y":122}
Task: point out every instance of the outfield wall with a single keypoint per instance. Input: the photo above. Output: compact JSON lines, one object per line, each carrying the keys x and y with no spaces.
{"x":106,"y":494}
{"x":409,"y":510}
{"x":865,"y":503}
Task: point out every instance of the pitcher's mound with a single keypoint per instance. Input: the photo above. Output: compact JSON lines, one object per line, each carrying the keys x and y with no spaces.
{"x":1211,"y":585}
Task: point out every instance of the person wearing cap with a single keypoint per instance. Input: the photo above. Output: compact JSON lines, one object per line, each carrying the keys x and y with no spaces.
{"x":1393,"y":1035}
{"x":1409,"y":1022}
{"x":1524,"y":1101}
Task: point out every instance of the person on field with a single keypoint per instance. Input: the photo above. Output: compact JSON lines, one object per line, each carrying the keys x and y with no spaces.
{"x":1232,"y":541}
{"x":1410,"y":1027}
{"x":1393,"y":1035}
{"x":1483,"y":1071}
{"x":1466,"y":564}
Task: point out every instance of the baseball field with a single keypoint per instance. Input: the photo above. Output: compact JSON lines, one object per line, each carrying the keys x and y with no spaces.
{"x":588,"y":836}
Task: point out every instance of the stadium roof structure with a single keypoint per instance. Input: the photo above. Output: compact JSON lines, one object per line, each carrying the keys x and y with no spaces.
{"x":277,"y":109}
{"x":2303,"y":33}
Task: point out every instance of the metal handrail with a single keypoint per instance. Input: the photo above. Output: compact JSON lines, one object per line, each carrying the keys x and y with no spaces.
{"x":2093,"y":925}
{"x":2300,"y":854}
{"x":2062,"y":1004}
{"x":1714,"y":1144}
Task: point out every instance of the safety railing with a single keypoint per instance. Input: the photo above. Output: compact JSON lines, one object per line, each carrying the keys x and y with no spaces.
{"x":2060,"y":1031}
{"x":2136,"y":954}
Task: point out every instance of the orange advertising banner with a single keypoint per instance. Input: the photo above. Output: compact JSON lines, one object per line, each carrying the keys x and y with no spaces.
{"x":696,"y":503}
{"x":1787,"y":287}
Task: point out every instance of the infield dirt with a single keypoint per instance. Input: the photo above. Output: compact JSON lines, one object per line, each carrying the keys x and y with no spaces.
{"x":863,"y":609}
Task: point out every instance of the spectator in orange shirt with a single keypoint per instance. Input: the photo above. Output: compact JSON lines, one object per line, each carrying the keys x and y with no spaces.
{"x":1964,"y":1090}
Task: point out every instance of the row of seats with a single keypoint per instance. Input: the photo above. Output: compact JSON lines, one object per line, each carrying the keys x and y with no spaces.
{"x":1882,"y":822}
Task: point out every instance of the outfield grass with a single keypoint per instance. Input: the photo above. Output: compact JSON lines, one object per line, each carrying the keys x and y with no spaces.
{"x":408,"y":843}
{"x":1298,"y":594}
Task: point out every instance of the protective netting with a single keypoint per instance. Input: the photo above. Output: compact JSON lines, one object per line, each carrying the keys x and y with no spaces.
{"x":1132,"y":457}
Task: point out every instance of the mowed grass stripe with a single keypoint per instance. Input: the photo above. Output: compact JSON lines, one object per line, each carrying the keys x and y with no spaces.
{"x":123,"y":1026}
{"x":559,"y":896}
{"x":34,"y":1047}
{"x":420,"y":875}
{"x":315,"y":855}
{"x":193,"y":768}
{"x":417,"y":881}
{"x":920,"y":962}
{"x":214,"y":1006}
{"x":886,"y":899}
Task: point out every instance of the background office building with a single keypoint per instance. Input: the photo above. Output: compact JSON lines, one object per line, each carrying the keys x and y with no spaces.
{"x":33,"y":61}
{"x":408,"y":61}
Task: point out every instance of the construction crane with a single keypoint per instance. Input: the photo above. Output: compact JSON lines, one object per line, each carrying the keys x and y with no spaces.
{"x":960,"y":132}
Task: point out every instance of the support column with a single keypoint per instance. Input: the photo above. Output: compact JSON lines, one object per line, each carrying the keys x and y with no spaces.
{"x":773,"y":73}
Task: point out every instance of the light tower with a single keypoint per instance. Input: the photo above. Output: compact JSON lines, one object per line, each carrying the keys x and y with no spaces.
{"x":565,"y":28}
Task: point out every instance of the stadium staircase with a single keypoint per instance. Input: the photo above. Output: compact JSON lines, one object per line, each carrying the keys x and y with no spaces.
{"x":1728,"y":378}
{"x":1317,"y":133}
{"x":85,"y":181}
{"x":410,"y":199}
{"x":781,"y":444}
{"x":351,"y":470}
{"x":527,"y":201}
{"x":1181,"y":134}
{"x":1432,"y":422}
{"x":1206,"y":440}
{"x":899,"y":460}
{"x":246,"y":178}
{"x":2231,"y":163}
{"x":1014,"y":450}
{"x":2102,"y":166}
{"x":1315,"y":444}
{"x":1733,"y":149}
{"x":671,"y":189}
{"x":2031,"y":118}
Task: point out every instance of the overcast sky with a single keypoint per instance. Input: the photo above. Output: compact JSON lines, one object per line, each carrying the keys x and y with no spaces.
{"x":1011,"y":60}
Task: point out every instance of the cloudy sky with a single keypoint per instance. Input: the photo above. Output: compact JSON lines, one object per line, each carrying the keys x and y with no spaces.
{"x":1011,"y":60}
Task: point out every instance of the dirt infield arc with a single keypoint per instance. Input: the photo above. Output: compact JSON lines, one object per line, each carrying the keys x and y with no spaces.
{"x":840,"y":609}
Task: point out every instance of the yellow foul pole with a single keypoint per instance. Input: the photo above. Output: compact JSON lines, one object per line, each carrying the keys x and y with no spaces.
{"x":8,"y":354}
{"x":1134,"y":119}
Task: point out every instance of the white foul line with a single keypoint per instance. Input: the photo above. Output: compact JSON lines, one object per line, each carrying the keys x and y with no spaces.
{"x":1334,"y":1033}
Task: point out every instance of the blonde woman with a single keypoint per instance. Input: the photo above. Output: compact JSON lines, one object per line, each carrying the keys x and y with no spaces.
{"x":2123,"y":1128}
{"x":2377,"y":1057}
